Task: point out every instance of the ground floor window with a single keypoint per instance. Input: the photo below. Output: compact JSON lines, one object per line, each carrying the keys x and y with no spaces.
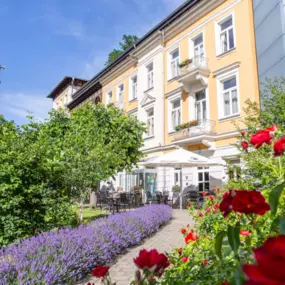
{"x":234,"y":170}
{"x":203,"y":179}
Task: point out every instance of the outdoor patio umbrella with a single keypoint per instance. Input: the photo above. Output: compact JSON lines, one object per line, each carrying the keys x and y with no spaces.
{"x":182,"y":158}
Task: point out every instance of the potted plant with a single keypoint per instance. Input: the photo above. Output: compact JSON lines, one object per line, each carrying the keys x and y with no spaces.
{"x":185,"y":62}
{"x":176,"y":188}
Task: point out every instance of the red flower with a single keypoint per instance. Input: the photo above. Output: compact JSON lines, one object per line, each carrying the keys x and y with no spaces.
{"x":152,"y":259}
{"x":211,"y":197}
{"x":226,"y":204}
{"x":191,"y":237}
{"x":208,"y":210}
{"x":225,"y":283}
{"x":204,"y":193}
{"x":200,"y":214}
{"x":215,"y":210}
{"x":279,"y":147}
{"x":100,"y":271}
{"x":244,"y":145}
{"x":245,"y":233}
{"x":250,"y":202}
{"x":89,"y":283}
{"x":184,"y":259}
{"x":180,"y":251}
{"x":189,"y":205}
{"x":183,"y":231}
{"x":270,"y":263}
{"x":216,"y":206}
{"x":263,"y":136}
{"x":243,"y":132}
{"x":205,"y":262}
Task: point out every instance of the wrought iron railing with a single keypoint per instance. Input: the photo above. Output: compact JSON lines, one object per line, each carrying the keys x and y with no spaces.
{"x":195,"y":62}
{"x":204,"y":127}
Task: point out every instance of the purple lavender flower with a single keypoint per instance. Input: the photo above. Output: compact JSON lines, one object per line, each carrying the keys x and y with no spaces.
{"x":67,"y":255}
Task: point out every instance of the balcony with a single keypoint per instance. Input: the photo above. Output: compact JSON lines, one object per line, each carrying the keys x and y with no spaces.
{"x":194,"y":74}
{"x":120,"y":102}
{"x":203,"y":127}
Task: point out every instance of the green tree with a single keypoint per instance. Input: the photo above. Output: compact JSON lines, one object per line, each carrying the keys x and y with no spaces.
{"x":100,"y":142}
{"x":125,"y":44}
{"x":46,"y":167}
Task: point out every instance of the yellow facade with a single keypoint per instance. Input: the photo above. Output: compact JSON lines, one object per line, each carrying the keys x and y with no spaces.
{"x":243,"y":56}
{"x":112,"y":86}
{"x":244,"y":53}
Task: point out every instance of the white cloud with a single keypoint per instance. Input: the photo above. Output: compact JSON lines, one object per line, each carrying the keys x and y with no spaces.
{"x":16,"y":106}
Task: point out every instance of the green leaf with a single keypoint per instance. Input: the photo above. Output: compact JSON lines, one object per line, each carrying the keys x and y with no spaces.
{"x":282,"y":225}
{"x":275,"y":224}
{"x":218,"y":243}
{"x":274,"y":197}
{"x":233,"y":237}
{"x":239,"y":277}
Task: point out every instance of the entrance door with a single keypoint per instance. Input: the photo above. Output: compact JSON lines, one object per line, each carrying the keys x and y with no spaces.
{"x":201,"y":106}
{"x":203,"y":179}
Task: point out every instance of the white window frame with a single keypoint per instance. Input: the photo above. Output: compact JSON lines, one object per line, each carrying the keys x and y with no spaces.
{"x":171,"y":61}
{"x":108,"y":101}
{"x":171,"y":100}
{"x":220,"y":80}
{"x":203,"y":170}
{"x":218,"y":33}
{"x":150,"y":120}
{"x":119,"y":92}
{"x":191,"y":44}
{"x":149,"y":74}
{"x":131,"y":97}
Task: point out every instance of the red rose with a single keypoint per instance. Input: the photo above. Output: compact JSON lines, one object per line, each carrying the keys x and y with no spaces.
{"x":180,"y":250}
{"x":204,"y":193}
{"x":226,"y":204}
{"x":191,"y":237}
{"x":270,"y":263}
{"x":208,"y":210}
{"x":205,"y":262}
{"x":200,"y":214}
{"x":150,"y":259}
{"x":211,"y":197}
{"x":279,"y":147}
{"x":184,"y":259}
{"x":183,"y":231}
{"x":89,"y":283}
{"x":189,"y":205}
{"x":215,"y":210}
{"x":244,"y":145}
{"x":216,"y":206}
{"x":263,"y":137}
{"x":245,"y":233}
{"x":250,"y":202}
{"x":100,"y":271}
{"x":243,"y":132}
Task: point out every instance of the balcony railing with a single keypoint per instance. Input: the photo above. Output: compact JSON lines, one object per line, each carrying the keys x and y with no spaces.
{"x":203,"y":127}
{"x":120,"y":103}
{"x":197,"y":62}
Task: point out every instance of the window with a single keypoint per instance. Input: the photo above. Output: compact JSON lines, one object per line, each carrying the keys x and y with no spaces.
{"x":65,"y":99}
{"x":109,"y":97}
{"x":174,"y":63}
{"x":226,"y":35}
{"x":230,"y":97}
{"x":175,"y":114}
{"x":198,"y":46}
{"x":201,"y":106}
{"x":133,"y":88}
{"x":121,"y":94}
{"x":177,"y":173}
{"x":149,"y":70}
{"x":150,"y":122}
{"x":203,"y":179}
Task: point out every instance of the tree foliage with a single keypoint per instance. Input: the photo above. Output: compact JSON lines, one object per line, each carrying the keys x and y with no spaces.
{"x":125,"y":44}
{"x":46,"y":166}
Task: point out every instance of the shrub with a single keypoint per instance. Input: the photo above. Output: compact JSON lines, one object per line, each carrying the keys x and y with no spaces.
{"x":67,"y":255}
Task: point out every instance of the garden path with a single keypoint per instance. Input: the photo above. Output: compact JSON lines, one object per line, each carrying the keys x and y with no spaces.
{"x":168,"y":238}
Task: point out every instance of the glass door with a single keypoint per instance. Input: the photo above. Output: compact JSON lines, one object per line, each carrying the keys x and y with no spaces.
{"x":201,"y":106}
{"x":203,"y":179}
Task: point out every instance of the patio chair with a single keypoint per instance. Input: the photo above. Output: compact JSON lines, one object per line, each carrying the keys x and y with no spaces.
{"x":195,"y":197}
{"x":149,"y":198}
{"x":125,"y":200}
{"x":159,"y":197}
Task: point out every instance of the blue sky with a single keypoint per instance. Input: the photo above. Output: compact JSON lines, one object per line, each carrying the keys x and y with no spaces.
{"x":43,"y":41}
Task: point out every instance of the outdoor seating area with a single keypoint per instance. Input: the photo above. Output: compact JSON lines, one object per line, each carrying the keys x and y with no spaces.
{"x":115,"y":202}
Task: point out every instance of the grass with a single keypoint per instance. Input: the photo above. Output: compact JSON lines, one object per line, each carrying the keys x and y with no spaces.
{"x":90,"y":214}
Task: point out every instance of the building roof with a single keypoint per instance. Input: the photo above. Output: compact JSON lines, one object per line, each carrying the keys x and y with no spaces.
{"x":66,"y":81}
{"x":164,"y":23}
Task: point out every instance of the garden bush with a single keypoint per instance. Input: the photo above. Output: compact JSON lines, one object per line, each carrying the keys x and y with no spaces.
{"x":67,"y":255}
{"x":239,"y":235}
